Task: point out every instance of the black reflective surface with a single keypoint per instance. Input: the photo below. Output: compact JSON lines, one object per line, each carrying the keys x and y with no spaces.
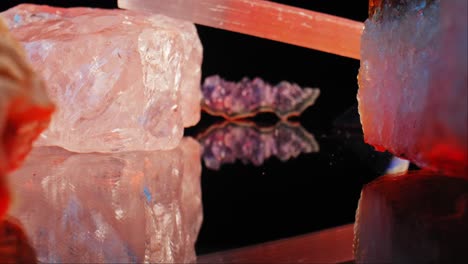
{"x":246,"y":204}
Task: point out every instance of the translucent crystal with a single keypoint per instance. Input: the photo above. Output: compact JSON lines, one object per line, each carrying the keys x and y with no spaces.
{"x":131,"y":207}
{"x":419,"y":217}
{"x":265,"y":19}
{"x":413,"y":91}
{"x":122,"y":80}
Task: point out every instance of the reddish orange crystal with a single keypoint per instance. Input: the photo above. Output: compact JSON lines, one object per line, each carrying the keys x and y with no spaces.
{"x":25,"y":109}
{"x":4,"y":196}
{"x":265,"y":19}
{"x":15,"y":247}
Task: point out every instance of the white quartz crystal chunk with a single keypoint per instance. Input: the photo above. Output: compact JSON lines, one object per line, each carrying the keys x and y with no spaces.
{"x":121,"y":80}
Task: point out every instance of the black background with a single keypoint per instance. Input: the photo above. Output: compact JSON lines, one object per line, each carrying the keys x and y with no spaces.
{"x":243,"y":204}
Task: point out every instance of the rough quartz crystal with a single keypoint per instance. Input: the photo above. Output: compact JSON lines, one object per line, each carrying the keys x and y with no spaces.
{"x":413,"y":95}
{"x":122,"y":80}
{"x":419,"y":217}
{"x":131,"y":207}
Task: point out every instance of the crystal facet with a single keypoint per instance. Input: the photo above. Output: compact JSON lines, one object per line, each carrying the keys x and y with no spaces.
{"x":413,"y":93}
{"x":122,"y":80}
{"x":131,"y":207}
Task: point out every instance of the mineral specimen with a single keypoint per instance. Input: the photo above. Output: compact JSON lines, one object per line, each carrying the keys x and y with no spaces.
{"x":131,"y":207}
{"x":15,"y":247}
{"x":122,"y":80}
{"x":4,"y":196}
{"x":25,"y":109}
{"x":413,"y":82}
{"x":265,"y":19}
{"x":249,"y":97}
{"x":419,"y":217}
{"x":228,"y":142}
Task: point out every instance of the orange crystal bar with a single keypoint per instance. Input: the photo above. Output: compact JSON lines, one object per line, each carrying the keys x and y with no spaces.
{"x":264,"y":19}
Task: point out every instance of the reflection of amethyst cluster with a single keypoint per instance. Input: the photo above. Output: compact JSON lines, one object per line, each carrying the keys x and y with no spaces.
{"x":250,"y":144}
{"x":249,"y":97}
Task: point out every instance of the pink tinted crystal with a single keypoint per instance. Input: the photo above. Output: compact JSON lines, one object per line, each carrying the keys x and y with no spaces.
{"x":418,"y":217}
{"x":131,"y":207}
{"x":122,"y":80}
{"x":413,"y":95}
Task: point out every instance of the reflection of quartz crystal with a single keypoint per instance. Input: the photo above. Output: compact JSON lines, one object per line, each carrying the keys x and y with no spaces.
{"x":420,"y":217}
{"x":249,"y":97}
{"x":244,"y":141}
{"x":113,"y":208}
{"x":122,"y":80}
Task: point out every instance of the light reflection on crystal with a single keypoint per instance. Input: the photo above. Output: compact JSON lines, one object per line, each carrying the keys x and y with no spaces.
{"x":123,"y":207}
{"x":228,"y":142}
{"x":397,"y":165}
{"x":125,"y":87}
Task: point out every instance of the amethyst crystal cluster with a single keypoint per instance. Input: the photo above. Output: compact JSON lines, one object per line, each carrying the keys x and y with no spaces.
{"x":249,"y":143}
{"x":249,"y":97}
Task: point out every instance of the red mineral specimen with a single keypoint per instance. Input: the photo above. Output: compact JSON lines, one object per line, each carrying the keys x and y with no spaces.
{"x":15,"y":247}
{"x":4,"y":196}
{"x":25,"y":109}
